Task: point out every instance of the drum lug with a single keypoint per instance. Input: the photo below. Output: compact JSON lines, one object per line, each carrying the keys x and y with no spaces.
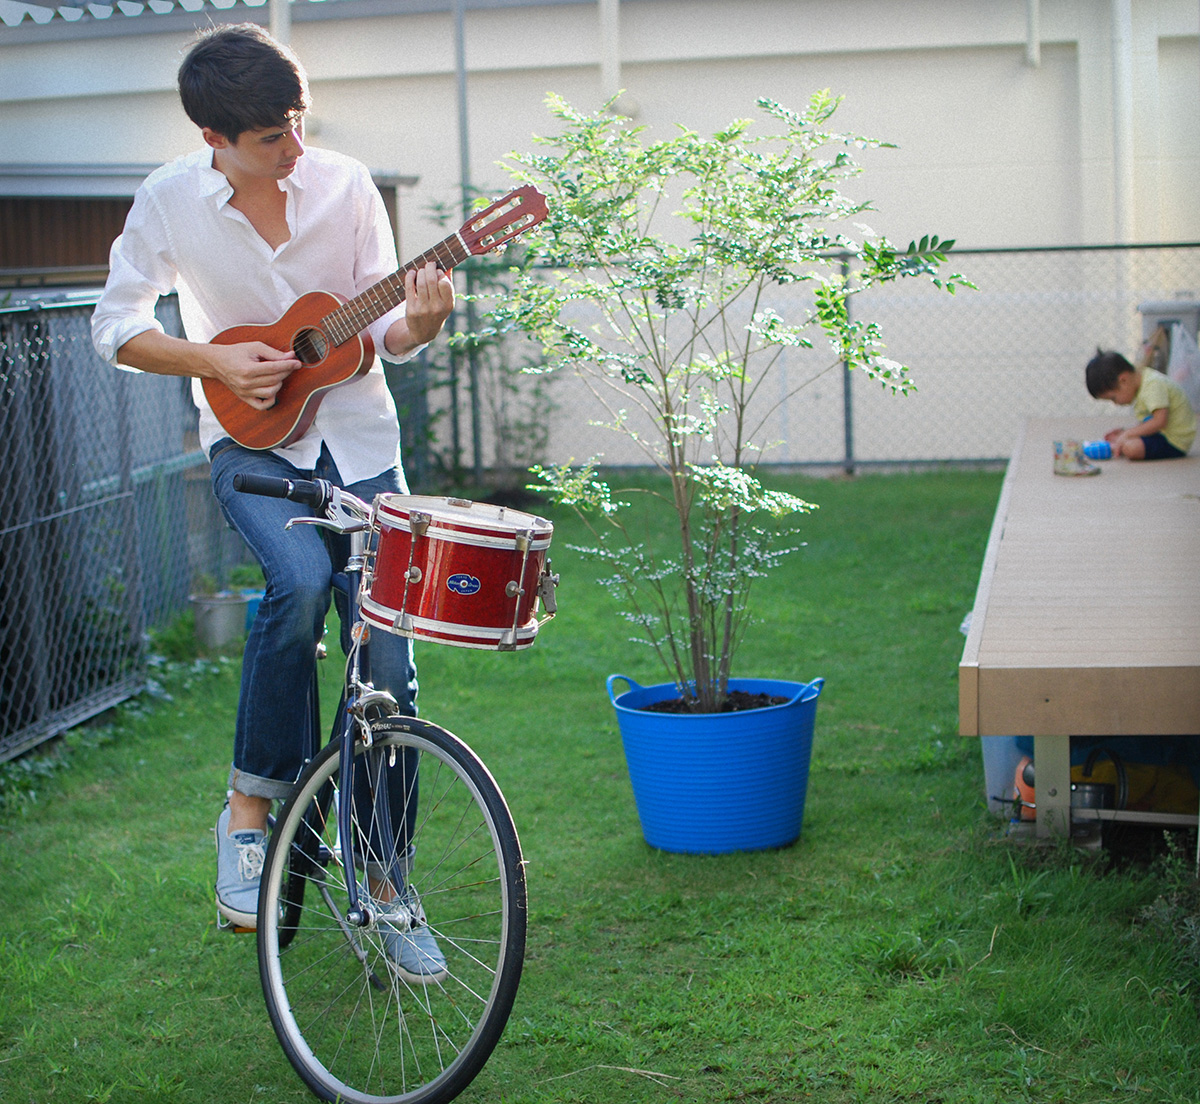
{"x":513,"y":589}
{"x":414,"y":574}
{"x":418,"y":522}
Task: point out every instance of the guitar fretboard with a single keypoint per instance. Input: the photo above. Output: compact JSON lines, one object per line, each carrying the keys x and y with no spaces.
{"x":355,"y":315}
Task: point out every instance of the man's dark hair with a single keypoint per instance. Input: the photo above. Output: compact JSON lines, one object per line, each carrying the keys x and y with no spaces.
{"x":1103,"y":370}
{"x":238,"y":78}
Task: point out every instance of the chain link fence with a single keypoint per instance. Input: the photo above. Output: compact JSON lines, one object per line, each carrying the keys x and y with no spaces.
{"x":106,"y":517}
{"x":982,"y":360}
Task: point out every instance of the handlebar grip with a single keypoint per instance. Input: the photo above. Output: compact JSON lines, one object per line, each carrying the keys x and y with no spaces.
{"x":314,"y":493}
{"x":268,"y":485}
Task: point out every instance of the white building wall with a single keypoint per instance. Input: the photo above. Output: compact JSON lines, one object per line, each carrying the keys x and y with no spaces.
{"x":992,"y":150}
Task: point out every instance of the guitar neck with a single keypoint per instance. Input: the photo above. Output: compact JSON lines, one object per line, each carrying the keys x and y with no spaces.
{"x":355,"y":315}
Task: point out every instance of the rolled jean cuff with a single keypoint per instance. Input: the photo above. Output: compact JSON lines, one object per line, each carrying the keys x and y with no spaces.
{"x":252,"y":785}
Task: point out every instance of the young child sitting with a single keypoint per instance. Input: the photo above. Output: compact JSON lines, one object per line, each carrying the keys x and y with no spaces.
{"x":1166,"y":422}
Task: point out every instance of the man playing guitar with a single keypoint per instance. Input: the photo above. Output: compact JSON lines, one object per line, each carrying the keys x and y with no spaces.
{"x":241,"y":229}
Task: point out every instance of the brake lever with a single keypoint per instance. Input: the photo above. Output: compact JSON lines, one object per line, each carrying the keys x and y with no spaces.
{"x":344,"y":514}
{"x":353,"y":526}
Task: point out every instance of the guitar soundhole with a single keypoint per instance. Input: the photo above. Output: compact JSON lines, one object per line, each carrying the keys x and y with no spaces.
{"x":310,"y":346}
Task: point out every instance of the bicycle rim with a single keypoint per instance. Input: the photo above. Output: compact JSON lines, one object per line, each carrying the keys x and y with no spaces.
{"x":351,"y":1024}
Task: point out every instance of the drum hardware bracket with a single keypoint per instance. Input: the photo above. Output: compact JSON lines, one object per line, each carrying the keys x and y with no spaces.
{"x":418,"y":523}
{"x":546,"y":587}
{"x":414,"y":574}
{"x":513,"y":589}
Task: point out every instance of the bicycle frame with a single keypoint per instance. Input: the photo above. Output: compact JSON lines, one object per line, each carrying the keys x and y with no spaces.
{"x":348,"y":515}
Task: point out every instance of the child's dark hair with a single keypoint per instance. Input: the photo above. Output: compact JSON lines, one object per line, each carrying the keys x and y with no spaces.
{"x":237,"y":78}
{"x":1102,"y":372}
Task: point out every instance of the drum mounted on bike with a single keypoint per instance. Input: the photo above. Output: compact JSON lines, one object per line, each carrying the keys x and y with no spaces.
{"x":468,"y":574}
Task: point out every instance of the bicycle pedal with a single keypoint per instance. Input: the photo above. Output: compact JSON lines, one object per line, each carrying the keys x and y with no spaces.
{"x":224,"y":924}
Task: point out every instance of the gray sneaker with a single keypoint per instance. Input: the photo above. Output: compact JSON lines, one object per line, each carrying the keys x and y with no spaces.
{"x":240,"y":860}
{"x":411,"y":946}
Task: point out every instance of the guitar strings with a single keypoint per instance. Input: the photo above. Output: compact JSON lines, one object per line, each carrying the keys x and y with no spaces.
{"x":353,"y":316}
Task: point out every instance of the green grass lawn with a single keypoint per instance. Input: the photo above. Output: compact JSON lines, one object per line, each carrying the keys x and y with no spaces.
{"x":902,"y":950}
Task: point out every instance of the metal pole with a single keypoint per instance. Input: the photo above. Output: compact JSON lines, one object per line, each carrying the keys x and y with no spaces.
{"x":460,"y":70}
{"x":847,"y":392}
{"x":610,"y":49}
{"x":455,"y":431}
{"x":464,"y":160}
{"x":281,"y":21}
{"x":1123,"y":154}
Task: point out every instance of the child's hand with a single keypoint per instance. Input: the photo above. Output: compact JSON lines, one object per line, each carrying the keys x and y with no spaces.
{"x":1112,"y":435}
{"x":1118,"y":443}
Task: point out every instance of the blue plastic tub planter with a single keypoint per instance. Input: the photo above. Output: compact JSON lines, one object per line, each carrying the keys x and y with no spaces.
{"x":710,"y":783}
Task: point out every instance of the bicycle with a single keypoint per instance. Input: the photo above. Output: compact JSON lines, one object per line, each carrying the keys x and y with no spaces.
{"x":355,"y":861}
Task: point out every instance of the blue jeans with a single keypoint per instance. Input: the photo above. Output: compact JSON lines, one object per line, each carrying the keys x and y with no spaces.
{"x":271,"y":741}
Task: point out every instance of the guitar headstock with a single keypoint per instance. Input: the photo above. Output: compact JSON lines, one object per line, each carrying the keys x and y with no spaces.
{"x":503,"y":220}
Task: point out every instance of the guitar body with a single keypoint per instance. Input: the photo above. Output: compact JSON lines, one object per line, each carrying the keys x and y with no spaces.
{"x":324,"y":366}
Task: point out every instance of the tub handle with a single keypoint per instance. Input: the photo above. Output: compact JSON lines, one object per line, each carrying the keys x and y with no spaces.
{"x":612,"y":697}
{"x":812,"y":690}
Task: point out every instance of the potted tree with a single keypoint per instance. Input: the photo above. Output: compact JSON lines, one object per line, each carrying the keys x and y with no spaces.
{"x":671,"y":330}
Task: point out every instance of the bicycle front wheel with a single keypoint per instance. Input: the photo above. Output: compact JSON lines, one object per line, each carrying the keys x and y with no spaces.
{"x":354,"y":1022}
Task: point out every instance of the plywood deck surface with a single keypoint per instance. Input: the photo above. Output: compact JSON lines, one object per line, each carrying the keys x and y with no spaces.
{"x":1087,"y":618}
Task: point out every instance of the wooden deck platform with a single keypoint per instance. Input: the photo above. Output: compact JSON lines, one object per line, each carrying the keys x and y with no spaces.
{"x":1087,"y":616}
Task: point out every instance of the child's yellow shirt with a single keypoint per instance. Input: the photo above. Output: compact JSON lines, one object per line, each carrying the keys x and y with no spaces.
{"x":1157,"y":391}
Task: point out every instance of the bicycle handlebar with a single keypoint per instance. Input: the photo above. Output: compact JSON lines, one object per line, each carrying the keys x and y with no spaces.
{"x":339,"y":510}
{"x":316,"y":493}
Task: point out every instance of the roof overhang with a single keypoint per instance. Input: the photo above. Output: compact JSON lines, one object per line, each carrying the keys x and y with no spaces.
{"x":71,"y":180}
{"x":82,"y":181}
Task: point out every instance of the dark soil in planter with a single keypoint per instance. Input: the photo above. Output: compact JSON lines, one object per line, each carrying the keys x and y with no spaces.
{"x":737,"y":701}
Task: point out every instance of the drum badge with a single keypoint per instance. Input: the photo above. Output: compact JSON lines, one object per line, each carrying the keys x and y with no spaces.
{"x":463,"y":584}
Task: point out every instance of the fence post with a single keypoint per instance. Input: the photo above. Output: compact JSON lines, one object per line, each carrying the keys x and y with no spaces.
{"x":134,"y":595}
{"x":847,"y":391}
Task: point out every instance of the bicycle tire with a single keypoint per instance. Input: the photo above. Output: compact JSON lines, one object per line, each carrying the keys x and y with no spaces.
{"x":352,"y":1027}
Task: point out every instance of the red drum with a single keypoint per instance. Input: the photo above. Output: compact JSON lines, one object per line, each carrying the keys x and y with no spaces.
{"x":463,"y":573}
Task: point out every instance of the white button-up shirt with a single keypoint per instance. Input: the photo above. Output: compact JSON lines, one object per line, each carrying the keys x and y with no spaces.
{"x":182,"y":234}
